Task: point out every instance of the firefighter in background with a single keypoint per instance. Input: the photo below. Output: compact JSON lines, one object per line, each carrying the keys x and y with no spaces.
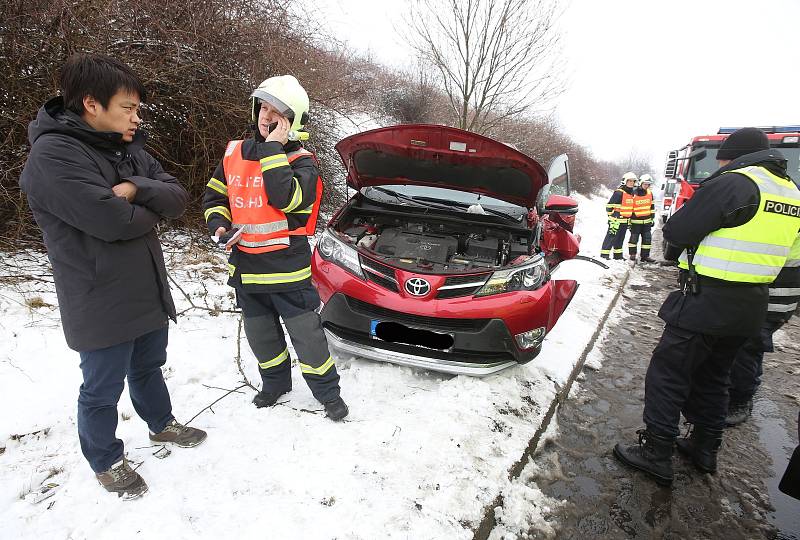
{"x":268,"y":190}
{"x":619,"y":209}
{"x":734,"y":236}
{"x":642,"y":219}
{"x":784,"y":294}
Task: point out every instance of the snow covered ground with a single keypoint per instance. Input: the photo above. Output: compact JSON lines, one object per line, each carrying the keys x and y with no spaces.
{"x":420,"y":456}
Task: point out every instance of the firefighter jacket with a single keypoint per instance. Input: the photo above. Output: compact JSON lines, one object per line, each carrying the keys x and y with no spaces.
{"x":723,"y":201}
{"x":755,"y":251}
{"x":643,"y":207}
{"x":272,"y":193}
{"x":620,"y":205}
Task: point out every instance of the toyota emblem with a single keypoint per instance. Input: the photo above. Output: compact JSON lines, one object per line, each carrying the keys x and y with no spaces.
{"x":418,"y":286}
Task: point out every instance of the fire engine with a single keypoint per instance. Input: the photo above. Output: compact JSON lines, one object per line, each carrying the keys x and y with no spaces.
{"x":687,"y":167}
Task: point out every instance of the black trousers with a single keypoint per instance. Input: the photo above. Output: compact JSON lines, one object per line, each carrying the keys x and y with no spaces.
{"x":637,"y":230}
{"x":747,"y":365}
{"x":690,"y":373}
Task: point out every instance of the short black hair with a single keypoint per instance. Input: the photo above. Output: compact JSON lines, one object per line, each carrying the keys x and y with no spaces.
{"x":96,"y":75}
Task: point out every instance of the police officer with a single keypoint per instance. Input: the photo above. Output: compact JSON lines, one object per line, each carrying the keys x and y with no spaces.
{"x":734,"y":236}
{"x":268,"y":189}
{"x":784,"y":294}
{"x":642,"y":219}
{"x":619,"y":209}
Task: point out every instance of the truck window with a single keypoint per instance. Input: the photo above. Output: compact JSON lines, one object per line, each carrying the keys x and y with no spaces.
{"x":792,"y":155}
{"x":700,"y":169}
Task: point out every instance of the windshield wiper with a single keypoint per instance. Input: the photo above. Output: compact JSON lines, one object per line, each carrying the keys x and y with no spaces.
{"x":419,"y":201}
{"x":466,"y":205}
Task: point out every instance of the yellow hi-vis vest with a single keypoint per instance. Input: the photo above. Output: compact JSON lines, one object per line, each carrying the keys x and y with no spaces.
{"x":793,"y":261}
{"x":756,"y":251}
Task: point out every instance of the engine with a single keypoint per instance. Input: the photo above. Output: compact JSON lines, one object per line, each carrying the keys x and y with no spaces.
{"x":440,"y":247}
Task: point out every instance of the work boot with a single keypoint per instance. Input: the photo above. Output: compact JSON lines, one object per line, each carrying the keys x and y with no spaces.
{"x":606,"y":257}
{"x":267,"y":399}
{"x":618,"y":257}
{"x":122,"y":480}
{"x":179,"y":435}
{"x":702,"y":444}
{"x":633,"y":257}
{"x":738,"y":413}
{"x":336,"y":409}
{"x":648,"y":260}
{"x":653,"y":455}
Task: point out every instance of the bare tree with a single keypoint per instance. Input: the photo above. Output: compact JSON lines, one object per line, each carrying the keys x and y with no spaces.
{"x":495,"y":58}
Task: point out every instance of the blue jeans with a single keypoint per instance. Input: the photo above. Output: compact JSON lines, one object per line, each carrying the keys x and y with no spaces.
{"x":104,"y":372}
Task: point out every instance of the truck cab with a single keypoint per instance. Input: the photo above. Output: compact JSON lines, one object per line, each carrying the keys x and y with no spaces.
{"x":689,"y":166}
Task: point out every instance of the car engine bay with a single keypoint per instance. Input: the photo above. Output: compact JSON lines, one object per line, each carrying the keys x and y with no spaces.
{"x":428,"y":245}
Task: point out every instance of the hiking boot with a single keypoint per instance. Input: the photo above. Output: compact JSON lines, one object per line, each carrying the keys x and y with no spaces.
{"x":122,"y":480}
{"x":336,"y":409}
{"x":180,"y":435}
{"x":738,"y":413}
{"x":701,"y":445}
{"x":653,"y":455}
{"x":267,"y":399}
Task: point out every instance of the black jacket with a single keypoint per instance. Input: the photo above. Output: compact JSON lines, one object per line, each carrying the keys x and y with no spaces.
{"x":721,"y":201}
{"x":279,"y":185}
{"x":107,"y":262}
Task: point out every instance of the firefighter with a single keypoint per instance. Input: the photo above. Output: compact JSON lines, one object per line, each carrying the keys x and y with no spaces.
{"x":619,"y":210}
{"x":784,"y":294}
{"x":268,"y":189}
{"x":734,"y":236}
{"x":642,"y":219}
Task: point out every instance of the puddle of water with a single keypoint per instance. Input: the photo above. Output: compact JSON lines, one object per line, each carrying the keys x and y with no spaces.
{"x":775,"y":438}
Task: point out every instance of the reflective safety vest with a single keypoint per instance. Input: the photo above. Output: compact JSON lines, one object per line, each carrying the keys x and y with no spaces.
{"x":756,"y":251}
{"x":264,"y":227}
{"x":626,"y":206}
{"x":642,"y":206}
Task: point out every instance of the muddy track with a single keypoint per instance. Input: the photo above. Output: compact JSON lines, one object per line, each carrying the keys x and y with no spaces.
{"x":601,"y":498}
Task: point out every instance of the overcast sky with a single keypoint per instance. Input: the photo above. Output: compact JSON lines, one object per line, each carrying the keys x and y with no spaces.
{"x":644,"y":75}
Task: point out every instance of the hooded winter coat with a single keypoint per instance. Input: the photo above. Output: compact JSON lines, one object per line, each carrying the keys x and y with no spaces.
{"x":107,"y":262}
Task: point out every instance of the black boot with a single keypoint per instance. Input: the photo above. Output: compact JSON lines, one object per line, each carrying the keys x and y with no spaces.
{"x":267,"y":399}
{"x":738,"y":413}
{"x":336,"y":409}
{"x":702,"y":445}
{"x":653,"y":455}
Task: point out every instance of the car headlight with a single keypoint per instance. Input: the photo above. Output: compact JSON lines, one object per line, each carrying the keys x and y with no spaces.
{"x":332,"y":249}
{"x":528,"y":277}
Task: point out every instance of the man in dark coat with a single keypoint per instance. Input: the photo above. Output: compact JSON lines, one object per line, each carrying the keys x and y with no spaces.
{"x":97,"y":196}
{"x":723,"y":299}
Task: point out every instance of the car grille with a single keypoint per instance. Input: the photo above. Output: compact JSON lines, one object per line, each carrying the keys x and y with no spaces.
{"x":379,"y":273}
{"x":462,"y":286}
{"x":469,"y":325}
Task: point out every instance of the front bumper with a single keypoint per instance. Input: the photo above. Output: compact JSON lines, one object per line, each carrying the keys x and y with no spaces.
{"x":453,"y":367}
{"x":479,"y":346}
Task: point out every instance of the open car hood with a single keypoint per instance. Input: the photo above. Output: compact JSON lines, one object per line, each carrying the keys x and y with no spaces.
{"x":441,"y":156}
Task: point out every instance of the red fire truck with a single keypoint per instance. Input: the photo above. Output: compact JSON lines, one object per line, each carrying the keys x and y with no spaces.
{"x":687,"y":167}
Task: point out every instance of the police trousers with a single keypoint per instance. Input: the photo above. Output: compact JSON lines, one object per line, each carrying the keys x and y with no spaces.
{"x":689,"y":372}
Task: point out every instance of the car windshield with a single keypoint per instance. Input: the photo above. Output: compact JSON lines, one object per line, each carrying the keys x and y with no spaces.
{"x":445,"y":197}
{"x":700,"y":169}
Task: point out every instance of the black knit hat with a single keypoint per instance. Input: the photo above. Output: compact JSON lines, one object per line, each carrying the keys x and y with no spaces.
{"x":743,"y":141}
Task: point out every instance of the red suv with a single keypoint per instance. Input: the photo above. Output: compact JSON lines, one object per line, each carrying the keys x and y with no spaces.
{"x":442,"y":258}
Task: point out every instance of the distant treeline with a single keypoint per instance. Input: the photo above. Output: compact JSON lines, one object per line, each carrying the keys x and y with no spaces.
{"x":199,"y":60}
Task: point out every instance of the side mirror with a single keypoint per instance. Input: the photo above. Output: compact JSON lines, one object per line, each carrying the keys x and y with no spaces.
{"x":559,"y":204}
{"x":558,"y":175}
